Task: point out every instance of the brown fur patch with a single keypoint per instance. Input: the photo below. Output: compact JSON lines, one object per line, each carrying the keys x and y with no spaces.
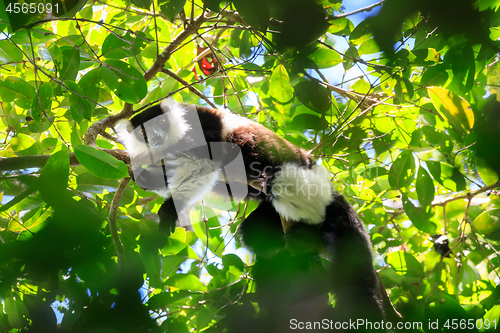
{"x":263,"y":150}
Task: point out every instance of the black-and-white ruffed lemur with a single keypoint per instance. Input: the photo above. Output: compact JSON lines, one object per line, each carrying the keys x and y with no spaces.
{"x":181,"y":152}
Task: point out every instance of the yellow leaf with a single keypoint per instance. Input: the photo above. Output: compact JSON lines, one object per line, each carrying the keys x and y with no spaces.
{"x":453,"y":108}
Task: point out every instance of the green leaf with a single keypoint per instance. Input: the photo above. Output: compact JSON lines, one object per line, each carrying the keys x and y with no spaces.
{"x":152,"y":262}
{"x":210,"y":231}
{"x":398,"y":91}
{"x":125,"y":81}
{"x":471,"y":274}
{"x":373,"y":173}
{"x":71,"y":63}
{"x":488,"y":175}
{"x":425,"y":187}
{"x":5,"y":19}
{"x":87,"y":12}
{"x":245,"y":50}
{"x":205,"y":315}
{"x":391,"y":275}
{"x":186,"y":282}
{"x":146,"y":4}
{"x":281,"y":89}
{"x":360,"y":34}
{"x":171,"y":263}
{"x":35,"y":127}
{"x":79,"y":106}
{"x":418,"y":217}
{"x":308,"y":121}
{"x":361,"y":86}
{"x":16,"y":312}
{"x":405,"y":264}
{"x":87,"y":182}
{"x":219,"y":92}
{"x":235,"y":38}
{"x":100,"y":163}
{"x":21,"y":142}
{"x":463,"y":65}
{"x":488,"y":224}
{"x":324,"y":58}
{"x":170,"y":8}
{"x":54,"y":177}
{"x":402,"y":171}
{"x":18,"y":90}
{"x":115,"y":47}
{"x":447,"y":308}
{"x":435,"y":75}
{"x":426,"y":56}
{"x":90,"y":85}
{"x":409,"y":87}
{"x":447,"y":175}
{"x":453,"y":108}
{"x":164,"y":299}
{"x":255,"y":13}
{"x":341,"y":26}
{"x":232,"y":259}
{"x":173,"y":247}
{"x":20,"y":197}
{"x":139,"y":42}
{"x":493,"y":314}
{"x":212,"y":4}
{"x":42,"y":101}
{"x":313,"y":95}
{"x":350,"y":57}
{"x":9,"y":52}
{"x":56,"y":55}
{"x":369,"y":47}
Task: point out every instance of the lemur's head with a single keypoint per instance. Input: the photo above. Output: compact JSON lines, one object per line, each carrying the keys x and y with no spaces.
{"x":155,"y":128}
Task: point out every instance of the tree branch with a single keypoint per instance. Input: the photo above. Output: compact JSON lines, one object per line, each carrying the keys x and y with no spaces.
{"x":189,"y":86}
{"x":100,"y":126}
{"x":364,"y":9}
{"x":112,"y":220}
{"x":468,"y":195}
{"x":165,"y":55}
{"x":38,"y":161}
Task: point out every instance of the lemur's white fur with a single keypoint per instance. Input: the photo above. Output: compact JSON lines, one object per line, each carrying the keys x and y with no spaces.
{"x":134,"y":146}
{"x":301,"y":194}
{"x":178,"y":125}
{"x":192,"y":178}
{"x":232,"y":121}
{"x":138,"y":148}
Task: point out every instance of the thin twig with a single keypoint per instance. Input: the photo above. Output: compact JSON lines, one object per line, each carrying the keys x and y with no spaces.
{"x":468,"y":194}
{"x":112,"y":220}
{"x":189,"y":86}
{"x":364,"y":9}
{"x":38,"y":161}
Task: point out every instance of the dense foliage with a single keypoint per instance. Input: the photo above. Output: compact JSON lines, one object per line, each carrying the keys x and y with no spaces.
{"x":401,"y":108}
